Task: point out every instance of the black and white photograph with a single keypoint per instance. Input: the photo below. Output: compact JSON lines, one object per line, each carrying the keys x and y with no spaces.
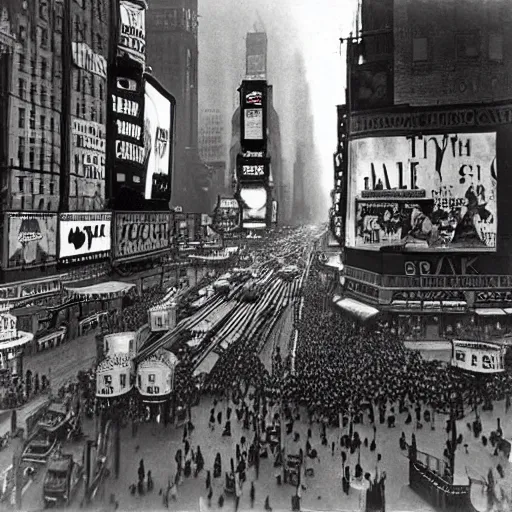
{"x":254,"y":256}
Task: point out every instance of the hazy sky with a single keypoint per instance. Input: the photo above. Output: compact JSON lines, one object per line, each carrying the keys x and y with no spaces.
{"x":310,"y":26}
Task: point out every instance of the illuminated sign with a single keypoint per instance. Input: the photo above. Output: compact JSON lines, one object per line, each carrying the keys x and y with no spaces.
{"x":453,"y":178}
{"x":254,"y":98}
{"x":140,"y":233}
{"x":253,"y":124}
{"x":84,"y":236}
{"x":7,"y":326}
{"x":132,"y":32}
{"x":254,"y":206}
{"x":31,"y":239}
{"x":478,"y":357}
{"x":253,"y":170}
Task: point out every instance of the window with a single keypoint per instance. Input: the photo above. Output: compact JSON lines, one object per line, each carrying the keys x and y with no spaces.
{"x":467,"y":46}
{"x":420,"y":49}
{"x":99,"y":43}
{"x":41,"y":187}
{"x":52,"y":188}
{"x":33,"y":65}
{"x":44,"y":38}
{"x":21,"y":150}
{"x":21,"y":118}
{"x":43,"y":9}
{"x":101,"y":91}
{"x":52,"y":124}
{"x":496,"y":47}
{"x":44,"y":68}
{"x":22,"y":88}
{"x":31,"y":157}
{"x":21,"y":184}
{"x":42,"y":121}
{"x":44,"y":96}
{"x":151,"y":378}
{"x":22,"y":33}
{"x":21,"y":62}
{"x":33,"y":93}
{"x":41,"y":163}
{"x":78,"y":76}
{"x":32,"y":120}
{"x":122,"y":380}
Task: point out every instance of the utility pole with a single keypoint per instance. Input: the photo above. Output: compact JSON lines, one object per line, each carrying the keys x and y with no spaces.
{"x":65,"y":124}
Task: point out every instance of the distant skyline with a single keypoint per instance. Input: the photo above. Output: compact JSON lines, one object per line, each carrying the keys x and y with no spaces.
{"x":310,"y":28}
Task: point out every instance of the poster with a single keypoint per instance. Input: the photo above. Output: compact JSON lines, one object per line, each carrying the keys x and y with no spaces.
{"x":132,"y":31}
{"x":157,"y":131}
{"x":254,"y":206}
{"x":253,"y":124}
{"x":451,"y":177}
{"x":140,"y":233}
{"x":32,"y":239}
{"x":84,"y":236}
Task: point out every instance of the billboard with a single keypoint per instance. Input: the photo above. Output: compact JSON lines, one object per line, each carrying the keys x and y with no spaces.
{"x":432,"y":193}
{"x":253,"y":101}
{"x":256,"y":55}
{"x":31,"y":239}
{"x":132,"y":32}
{"x":252,"y":169}
{"x":158,"y":131}
{"x":84,"y":236}
{"x":273,"y":218}
{"x":254,"y":202}
{"x":140,"y":233}
{"x":478,"y":357}
{"x":226,"y":217}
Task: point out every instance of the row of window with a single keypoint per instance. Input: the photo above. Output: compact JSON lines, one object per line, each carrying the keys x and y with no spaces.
{"x":95,"y":114}
{"x":29,"y":203}
{"x":88,"y":83}
{"x":80,"y":31}
{"x":44,"y":99}
{"x":46,"y":72}
{"x":22,"y":117}
{"x":22,"y":180}
{"x":38,"y":154}
{"x":467,"y":48}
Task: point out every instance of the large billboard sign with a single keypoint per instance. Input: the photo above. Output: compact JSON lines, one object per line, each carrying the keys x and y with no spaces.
{"x":253,"y":101}
{"x":423,"y":193}
{"x":140,"y":233}
{"x":132,"y":31}
{"x":252,"y":169}
{"x":478,"y":357}
{"x":158,"y":124}
{"x":31,"y":239}
{"x":254,"y":200}
{"x":84,"y":237}
{"x":256,"y":55}
{"x":226,"y":216}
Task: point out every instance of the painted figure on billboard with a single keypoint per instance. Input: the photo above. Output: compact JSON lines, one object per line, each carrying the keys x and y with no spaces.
{"x":437,"y":192}
{"x":32,"y":240}
{"x":157,"y":113}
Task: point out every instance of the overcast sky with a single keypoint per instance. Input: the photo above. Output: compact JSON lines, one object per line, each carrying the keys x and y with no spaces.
{"x":312,"y":27}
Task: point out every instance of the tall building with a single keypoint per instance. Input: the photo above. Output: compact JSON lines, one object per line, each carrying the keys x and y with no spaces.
{"x":424,"y":134}
{"x":212,"y":147}
{"x":87,"y":109}
{"x":171,"y":51}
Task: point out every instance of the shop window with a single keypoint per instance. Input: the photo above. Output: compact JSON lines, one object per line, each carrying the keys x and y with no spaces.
{"x":151,"y":378}
{"x":467,"y":46}
{"x":420,"y":49}
{"x":496,"y":47}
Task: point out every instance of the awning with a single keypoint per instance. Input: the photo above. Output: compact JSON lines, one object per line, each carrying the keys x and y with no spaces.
{"x":508,"y":311}
{"x":490,"y":312}
{"x":101,"y":291}
{"x":358,"y":309}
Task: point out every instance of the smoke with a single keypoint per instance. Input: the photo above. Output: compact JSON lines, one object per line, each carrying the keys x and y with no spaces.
{"x":296,"y":29}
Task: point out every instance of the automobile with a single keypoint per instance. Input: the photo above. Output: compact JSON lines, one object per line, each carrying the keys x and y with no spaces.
{"x":61,"y":480}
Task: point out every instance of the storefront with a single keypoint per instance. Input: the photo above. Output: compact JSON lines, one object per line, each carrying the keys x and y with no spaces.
{"x":114,"y":376}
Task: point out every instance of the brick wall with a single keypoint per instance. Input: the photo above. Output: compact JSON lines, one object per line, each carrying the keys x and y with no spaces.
{"x":444,"y":77}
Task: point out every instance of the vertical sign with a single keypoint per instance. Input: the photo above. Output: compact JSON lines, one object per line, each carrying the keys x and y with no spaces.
{"x":253,"y":101}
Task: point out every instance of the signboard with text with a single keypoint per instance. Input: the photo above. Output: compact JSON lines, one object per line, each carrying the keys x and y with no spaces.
{"x":132,"y":31}
{"x":31,"y":239}
{"x":84,"y":236}
{"x":253,"y":101}
{"x":432,"y":193}
{"x":140,"y":233}
{"x":252,"y":169}
{"x":35,"y":288}
{"x":226,"y":217}
{"x":478,"y":356}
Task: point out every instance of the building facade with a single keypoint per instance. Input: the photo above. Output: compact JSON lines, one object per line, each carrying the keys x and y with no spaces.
{"x":173,"y":25}
{"x":420,"y":216}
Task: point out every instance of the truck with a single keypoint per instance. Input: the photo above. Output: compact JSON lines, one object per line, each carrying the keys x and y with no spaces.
{"x":62,"y":479}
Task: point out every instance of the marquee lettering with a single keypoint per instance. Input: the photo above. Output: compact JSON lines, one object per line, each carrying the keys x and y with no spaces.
{"x":131,"y":152}
{"x":125,"y":106}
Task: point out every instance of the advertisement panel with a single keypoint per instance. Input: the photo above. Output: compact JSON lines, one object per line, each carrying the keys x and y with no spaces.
{"x":440,"y":192}
{"x":84,"y":236}
{"x":253,"y":101}
{"x":478,"y":357}
{"x":132,"y":31}
{"x":256,"y":55}
{"x":158,"y":132}
{"x":140,"y":233}
{"x":273,"y":217}
{"x":85,"y":58}
{"x":254,"y":200}
{"x":226,"y":217}
{"x":252,"y":169}
{"x":253,"y":124}
{"x":31,"y":239}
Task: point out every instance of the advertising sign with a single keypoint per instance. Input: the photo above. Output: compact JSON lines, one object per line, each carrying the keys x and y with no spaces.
{"x":8,"y":324}
{"x":256,"y":55}
{"x":140,"y":233}
{"x":132,"y":150}
{"x":478,"y":357}
{"x":132,"y":31}
{"x":226,"y":217}
{"x":158,"y":133}
{"x":85,"y":58}
{"x":31,"y":239}
{"x":84,"y":236}
{"x":253,"y":124}
{"x":253,"y":199}
{"x":31,"y":289}
{"x":437,"y":192}
{"x":114,"y":376}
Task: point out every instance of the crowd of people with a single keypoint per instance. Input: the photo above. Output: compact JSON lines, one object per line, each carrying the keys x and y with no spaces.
{"x":135,"y":315}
